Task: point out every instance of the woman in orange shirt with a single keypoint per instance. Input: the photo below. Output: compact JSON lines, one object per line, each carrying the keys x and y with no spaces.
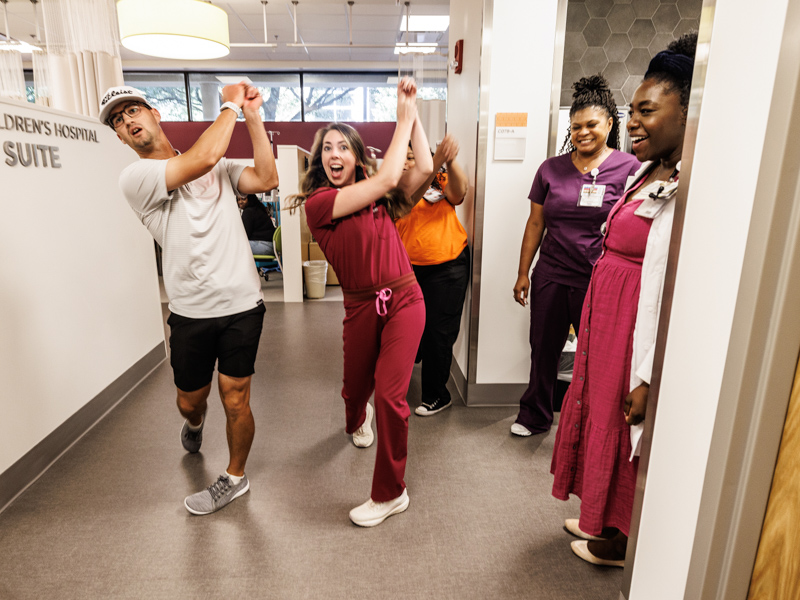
{"x":437,"y":246}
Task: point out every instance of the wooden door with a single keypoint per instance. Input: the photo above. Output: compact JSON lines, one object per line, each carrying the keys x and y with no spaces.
{"x":776,"y":575}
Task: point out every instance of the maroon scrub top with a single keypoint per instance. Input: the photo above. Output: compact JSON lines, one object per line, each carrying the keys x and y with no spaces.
{"x":573,"y":241}
{"x":363,"y":247}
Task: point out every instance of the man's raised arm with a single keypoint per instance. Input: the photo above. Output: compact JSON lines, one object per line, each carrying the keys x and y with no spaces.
{"x":264,"y":176}
{"x":211,"y":146}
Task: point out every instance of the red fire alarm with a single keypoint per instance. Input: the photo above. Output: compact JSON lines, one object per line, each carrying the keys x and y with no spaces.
{"x":459,"y":56}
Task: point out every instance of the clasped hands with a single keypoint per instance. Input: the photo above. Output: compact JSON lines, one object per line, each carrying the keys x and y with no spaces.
{"x":242,"y":94}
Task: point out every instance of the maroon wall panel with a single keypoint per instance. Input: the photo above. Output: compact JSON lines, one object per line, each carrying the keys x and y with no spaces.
{"x":183,"y":135}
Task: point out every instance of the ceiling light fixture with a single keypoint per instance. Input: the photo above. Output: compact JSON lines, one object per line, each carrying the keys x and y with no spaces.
{"x":416,"y":48}
{"x":404,"y":48}
{"x":425,"y":23}
{"x":266,"y":43}
{"x":178,"y":29}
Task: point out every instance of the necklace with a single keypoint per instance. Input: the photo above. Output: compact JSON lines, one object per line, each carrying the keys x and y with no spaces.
{"x":586,"y":168}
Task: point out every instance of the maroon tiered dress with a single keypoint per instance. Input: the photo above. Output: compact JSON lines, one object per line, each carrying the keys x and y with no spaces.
{"x":592,"y":447}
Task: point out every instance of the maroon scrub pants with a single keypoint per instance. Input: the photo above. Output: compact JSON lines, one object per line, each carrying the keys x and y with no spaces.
{"x":554,"y":307}
{"x":379,"y":351}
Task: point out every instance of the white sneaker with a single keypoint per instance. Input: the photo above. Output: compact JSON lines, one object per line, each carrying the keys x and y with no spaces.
{"x":373,"y":513}
{"x":520,"y":430}
{"x":363,"y":436}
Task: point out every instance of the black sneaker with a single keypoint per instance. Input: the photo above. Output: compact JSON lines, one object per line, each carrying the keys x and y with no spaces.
{"x":426,"y":409}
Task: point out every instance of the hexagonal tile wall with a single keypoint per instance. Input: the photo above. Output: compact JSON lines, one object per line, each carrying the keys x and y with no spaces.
{"x":618,"y":37}
{"x":666,"y":18}
{"x":596,"y":32}
{"x":690,"y":9}
{"x":574,"y":45}
{"x":616,"y":74}
{"x":685,"y":26}
{"x":618,"y":47}
{"x":644,"y":9}
{"x":659,"y":43}
{"x":641,"y":33}
{"x":599,"y":8}
{"x":577,"y":16}
{"x":638,"y":60}
{"x":630,"y":87}
{"x":621,"y":18}
{"x":594,"y":61}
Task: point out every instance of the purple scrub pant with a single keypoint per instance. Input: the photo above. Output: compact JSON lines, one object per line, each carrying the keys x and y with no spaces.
{"x":379,"y":356}
{"x":554,"y":307}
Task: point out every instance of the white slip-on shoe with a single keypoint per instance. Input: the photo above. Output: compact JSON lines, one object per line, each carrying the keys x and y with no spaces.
{"x":520,"y":430}
{"x":572,"y":526}
{"x":373,"y":513}
{"x":363,"y":436}
{"x":581,"y":549}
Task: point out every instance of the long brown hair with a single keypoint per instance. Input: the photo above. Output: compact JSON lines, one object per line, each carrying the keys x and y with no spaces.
{"x":315,"y":177}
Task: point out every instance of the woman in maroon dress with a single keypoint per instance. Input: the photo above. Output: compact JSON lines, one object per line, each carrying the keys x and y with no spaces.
{"x":592,"y":457}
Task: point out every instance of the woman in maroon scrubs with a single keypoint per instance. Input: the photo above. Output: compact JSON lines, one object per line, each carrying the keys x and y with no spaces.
{"x":351,"y":211}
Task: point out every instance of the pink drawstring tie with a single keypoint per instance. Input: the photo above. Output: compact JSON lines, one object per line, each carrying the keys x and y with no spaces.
{"x":380,"y":301}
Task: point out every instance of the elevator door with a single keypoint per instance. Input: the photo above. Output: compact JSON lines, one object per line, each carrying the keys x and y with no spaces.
{"x":776,"y":574}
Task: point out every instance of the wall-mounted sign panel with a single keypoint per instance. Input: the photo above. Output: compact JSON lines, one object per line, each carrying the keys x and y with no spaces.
{"x":510,"y":136}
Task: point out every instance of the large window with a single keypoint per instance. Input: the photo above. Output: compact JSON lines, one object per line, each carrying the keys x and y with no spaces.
{"x":355,"y":97}
{"x":281,"y":94}
{"x":165,"y":92}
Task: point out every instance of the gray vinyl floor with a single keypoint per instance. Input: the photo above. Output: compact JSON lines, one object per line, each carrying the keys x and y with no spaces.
{"x":107,"y":520}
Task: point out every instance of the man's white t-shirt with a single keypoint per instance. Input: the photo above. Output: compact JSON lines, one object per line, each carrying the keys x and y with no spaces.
{"x":207,"y":263}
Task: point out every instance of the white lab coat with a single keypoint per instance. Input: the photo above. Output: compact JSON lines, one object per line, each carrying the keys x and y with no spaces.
{"x":654,"y":266}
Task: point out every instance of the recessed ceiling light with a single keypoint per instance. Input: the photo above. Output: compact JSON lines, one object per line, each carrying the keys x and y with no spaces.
{"x":425,"y":23}
{"x":20,"y":47}
{"x":416,"y":48}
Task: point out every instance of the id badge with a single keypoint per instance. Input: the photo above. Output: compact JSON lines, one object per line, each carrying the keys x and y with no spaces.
{"x":592,"y":195}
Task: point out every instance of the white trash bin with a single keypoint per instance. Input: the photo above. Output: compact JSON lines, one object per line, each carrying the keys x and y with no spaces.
{"x":315,"y":273}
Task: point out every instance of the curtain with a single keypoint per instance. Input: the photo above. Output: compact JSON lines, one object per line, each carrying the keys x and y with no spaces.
{"x":83,"y":50}
{"x":12,"y":82}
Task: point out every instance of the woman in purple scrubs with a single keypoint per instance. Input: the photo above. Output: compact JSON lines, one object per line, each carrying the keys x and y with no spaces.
{"x":571,"y":197}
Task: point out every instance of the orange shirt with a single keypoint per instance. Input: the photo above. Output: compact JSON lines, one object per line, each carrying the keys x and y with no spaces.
{"x":432,"y":233}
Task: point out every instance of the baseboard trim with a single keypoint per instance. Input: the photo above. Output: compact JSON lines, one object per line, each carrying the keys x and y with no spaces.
{"x":485,"y":394}
{"x":23,"y":473}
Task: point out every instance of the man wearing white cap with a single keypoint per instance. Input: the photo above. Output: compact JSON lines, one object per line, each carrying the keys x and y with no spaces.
{"x":188,"y":203}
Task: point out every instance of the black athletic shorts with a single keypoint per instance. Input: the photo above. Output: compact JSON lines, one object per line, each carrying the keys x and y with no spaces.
{"x":196,"y":344}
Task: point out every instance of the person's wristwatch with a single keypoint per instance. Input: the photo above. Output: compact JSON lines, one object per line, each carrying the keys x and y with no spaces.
{"x":234,"y":107}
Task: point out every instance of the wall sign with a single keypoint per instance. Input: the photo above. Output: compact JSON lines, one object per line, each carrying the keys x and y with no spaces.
{"x":510,"y":136}
{"x":39,"y":155}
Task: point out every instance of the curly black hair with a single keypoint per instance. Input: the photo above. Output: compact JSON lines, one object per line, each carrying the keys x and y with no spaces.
{"x":674,"y":67}
{"x":593,"y":91}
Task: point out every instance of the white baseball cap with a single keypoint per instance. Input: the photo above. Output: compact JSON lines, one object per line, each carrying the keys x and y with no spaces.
{"x":116,"y":95}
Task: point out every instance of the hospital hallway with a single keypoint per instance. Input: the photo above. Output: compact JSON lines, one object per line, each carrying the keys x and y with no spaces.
{"x":107,"y":519}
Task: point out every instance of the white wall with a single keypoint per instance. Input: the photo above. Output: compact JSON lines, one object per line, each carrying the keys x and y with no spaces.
{"x":730,"y":140}
{"x":520,"y":78}
{"x":79,"y":299}
{"x":463,"y":91}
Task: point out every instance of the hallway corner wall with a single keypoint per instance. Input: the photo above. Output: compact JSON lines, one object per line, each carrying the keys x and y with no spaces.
{"x":80,"y":302}
{"x":515,"y":78}
{"x":463,"y":93}
{"x":723,"y":175}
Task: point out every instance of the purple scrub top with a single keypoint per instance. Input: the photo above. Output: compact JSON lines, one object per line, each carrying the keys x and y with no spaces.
{"x":573,"y":241}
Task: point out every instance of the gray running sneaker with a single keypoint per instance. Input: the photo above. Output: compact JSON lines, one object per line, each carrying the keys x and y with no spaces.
{"x":192,"y":440}
{"x":218,"y":494}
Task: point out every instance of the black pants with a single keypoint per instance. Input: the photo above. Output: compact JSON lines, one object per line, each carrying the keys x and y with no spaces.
{"x":444,"y":287}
